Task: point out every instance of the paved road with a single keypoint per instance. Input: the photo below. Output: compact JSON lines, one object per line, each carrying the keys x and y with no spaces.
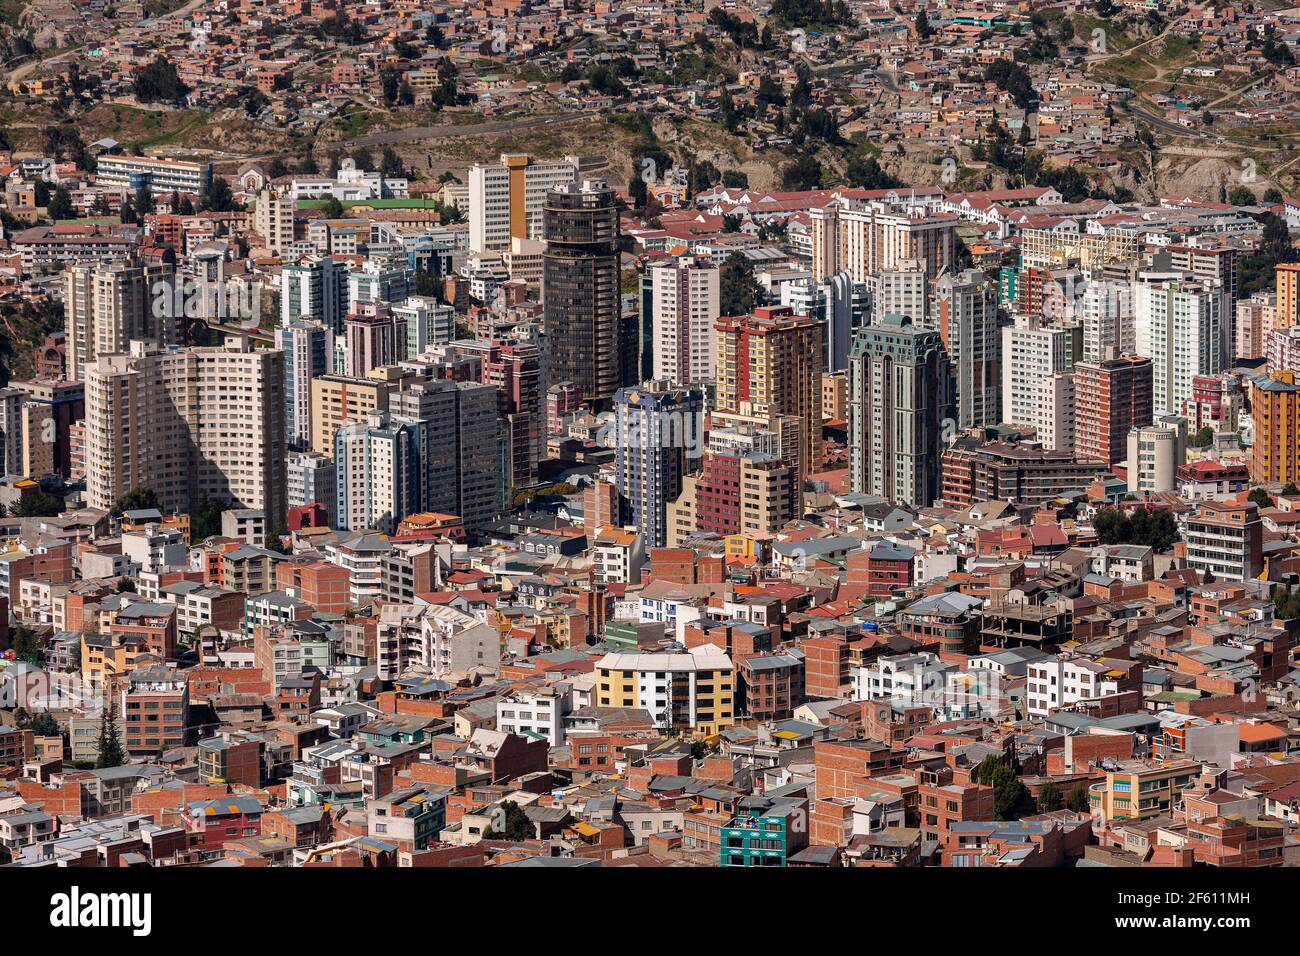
{"x":415,"y":133}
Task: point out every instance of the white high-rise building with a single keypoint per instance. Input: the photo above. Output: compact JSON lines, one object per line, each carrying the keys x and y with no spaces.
{"x":685,"y":298}
{"x":427,"y":323}
{"x":1038,"y":379}
{"x":839,"y":303}
{"x":316,"y":288}
{"x":1105,"y":309}
{"x":902,"y":290}
{"x":1178,"y":324}
{"x":506,"y":198}
{"x":310,"y":479}
{"x":106,"y":305}
{"x":194,"y":425}
{"x":377,"y":473}
{"x":306,"y":347}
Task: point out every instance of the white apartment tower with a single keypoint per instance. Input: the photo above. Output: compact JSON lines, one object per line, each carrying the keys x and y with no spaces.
{"x":1178,"y":324}
{"x":685,"y":301}
{"x":1038,"y":379}
{"x":866,"y":236}
{"x":107,"y":305}
{"x":903,"y":290}
{"x":1105,"y":309}
{"x":506,"y":198}
{"x":195,"y":425}
{"x":273,"y":219}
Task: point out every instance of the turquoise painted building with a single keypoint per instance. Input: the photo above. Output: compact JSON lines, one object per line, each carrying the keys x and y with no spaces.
{"x":765,"y":832}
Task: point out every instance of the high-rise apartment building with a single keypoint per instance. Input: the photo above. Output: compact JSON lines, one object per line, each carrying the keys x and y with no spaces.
{"x":1112,"y":397}
{"x":1287,"y":290}
{"x":966,"y":316}
{"x":462,"y":459}
{"x":337,"y":400}
{"x":901,"y":394}
{"x":377,"y":473}
{"x":316,"y":288}
{"x":657,"y":429}
{"x":902,"y":290}
{"x":685,"y":301}
{"x":1256,"y":318}
{"x":1105,"y":310}
{"x":867,"y":235}
{"x":1275,"y":409}
{"x":839,"y":304}
{"x":580,"y":288}
{"x":1038,"y":379}
{"x":515,"y":370}
{"x":273,"y":219}
{"x":11,"y":431}
{"x":310,"y":479}
{"x":506,"y":198}
{"x":1178,"y":325}
{"x":107,"y":305}
{"x":770,"y":362}
{"x":195,"y":425}
{"x":306,"y":347}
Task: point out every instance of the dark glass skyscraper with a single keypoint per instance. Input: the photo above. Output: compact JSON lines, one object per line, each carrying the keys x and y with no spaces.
{"x":580,"y":288}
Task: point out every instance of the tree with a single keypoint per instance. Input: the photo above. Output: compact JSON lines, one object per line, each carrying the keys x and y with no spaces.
{"x":1241,"y":196}
{"x":217,"y":197}
{"x":44,"y":725}
{"x":389,"y":82}
{"x":390,"y":163}
{"x":26,"y":645}
{"x":1009,"y":794}
{"x":206,"y":521}
{"x":160,"y":83}
{"x":1290,"y":489}
{"x":1156,"y":529}
{"x":1078,"y":800}
{"x":137,"y":499}
{"x":276,"y":541}
{"x":1260,"y":497}
{"x":923,"y":28}
{"x":1013,"y":78}
{"x":738,"y":288}
{"x":1203,"y":438}
{"x":1273,"y":195}
{"x":515,"y":825}
{"x":865,"y":172}
{"x":332,"y":208}
{"x":804,"y":173}
{"x":110,"y":742}
{"x":37,"y":505}
{"x":60,"y":205}
{"x":1049,"y":797}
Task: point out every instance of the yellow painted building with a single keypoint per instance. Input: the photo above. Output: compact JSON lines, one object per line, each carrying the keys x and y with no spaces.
{"x":1287,"y":278}
{"x":1140,"y":792}
{"x":682,"y":692}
